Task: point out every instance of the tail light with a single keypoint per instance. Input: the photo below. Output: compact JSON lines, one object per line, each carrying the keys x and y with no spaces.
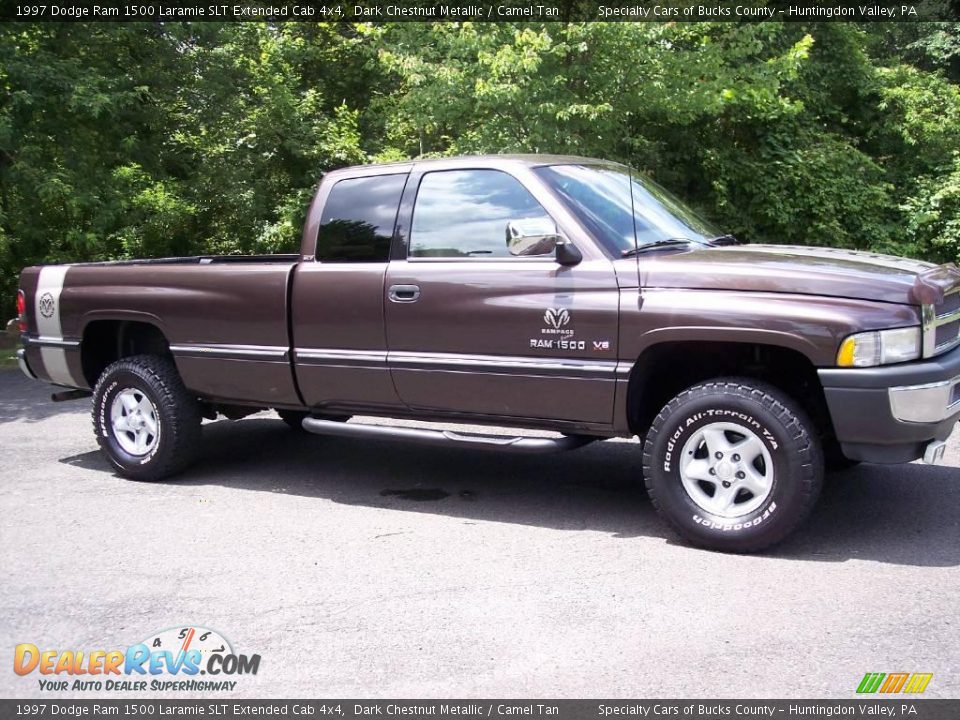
{"x":21,"y":311}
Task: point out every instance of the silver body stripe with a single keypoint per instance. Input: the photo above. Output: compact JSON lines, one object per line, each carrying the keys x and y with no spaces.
{"x":239,"y":352}
{"x":505,"y":362}
{"x":379,"y":359}
{"x":334,"y":357}
{"x":49,"y":341}
{"x":46,"y":310}
{"x":328,"y":357}
{"x":332,"y":354}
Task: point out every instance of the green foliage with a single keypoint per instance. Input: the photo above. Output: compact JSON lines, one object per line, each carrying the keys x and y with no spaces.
{"x":122,"y":141}
{"x":933,"y":214}
{"x":807,"y":134}
{"x":812,"y":190}
{"x":132,"y":140}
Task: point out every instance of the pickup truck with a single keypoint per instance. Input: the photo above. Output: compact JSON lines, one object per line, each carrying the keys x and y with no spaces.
{"x":530,"y":292}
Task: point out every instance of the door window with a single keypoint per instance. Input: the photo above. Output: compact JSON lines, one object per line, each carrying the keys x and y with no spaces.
{"x":464,"y":213}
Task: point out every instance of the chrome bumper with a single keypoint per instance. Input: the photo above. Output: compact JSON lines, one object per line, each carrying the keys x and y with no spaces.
{"x":927,"y":403}
{"x":22,"y":362}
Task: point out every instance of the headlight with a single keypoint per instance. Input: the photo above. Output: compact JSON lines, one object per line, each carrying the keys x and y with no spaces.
{"x":880,"y":347}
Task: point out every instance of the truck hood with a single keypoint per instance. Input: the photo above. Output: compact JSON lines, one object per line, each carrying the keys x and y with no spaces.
{"x":795,"y":269}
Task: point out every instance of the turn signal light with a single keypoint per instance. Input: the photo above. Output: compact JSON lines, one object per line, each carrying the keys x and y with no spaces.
{"x":880,"y":347}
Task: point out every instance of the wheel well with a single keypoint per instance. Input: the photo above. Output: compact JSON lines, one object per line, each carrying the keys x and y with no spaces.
{"x":106,"y":341}
{"x":664,"y":370}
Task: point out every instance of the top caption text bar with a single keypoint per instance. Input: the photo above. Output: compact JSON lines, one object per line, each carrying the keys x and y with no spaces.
{"x":471,"y":11}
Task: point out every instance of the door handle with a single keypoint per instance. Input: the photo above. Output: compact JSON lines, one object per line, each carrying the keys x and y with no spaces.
{"x":404,"y":293}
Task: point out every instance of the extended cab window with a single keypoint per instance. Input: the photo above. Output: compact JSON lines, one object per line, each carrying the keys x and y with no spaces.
{"x":464,"y":213}
{"x":358,"y":219}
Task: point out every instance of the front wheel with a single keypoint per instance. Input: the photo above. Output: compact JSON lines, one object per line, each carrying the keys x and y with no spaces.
{"x":147,"y":423}
{"x":733,"y":465}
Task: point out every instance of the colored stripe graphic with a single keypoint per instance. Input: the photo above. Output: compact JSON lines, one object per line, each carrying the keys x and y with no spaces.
{"x":894,"y":682}
{"x":870,"y":682}
{"x":918,"y":682}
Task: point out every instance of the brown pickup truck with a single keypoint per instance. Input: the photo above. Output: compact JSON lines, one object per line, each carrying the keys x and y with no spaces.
{"x":557,"y":293}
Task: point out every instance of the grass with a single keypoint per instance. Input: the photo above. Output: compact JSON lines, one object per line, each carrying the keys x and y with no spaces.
{"x":8,"y":350}
{"x":8,"y":358}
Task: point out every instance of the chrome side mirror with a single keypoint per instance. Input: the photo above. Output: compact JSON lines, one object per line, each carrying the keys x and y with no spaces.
{"x":532,"y":237}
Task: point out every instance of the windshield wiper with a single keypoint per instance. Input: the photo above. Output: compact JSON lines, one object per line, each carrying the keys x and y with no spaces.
{"x":667,"y":242}
{"x":725,"y":240}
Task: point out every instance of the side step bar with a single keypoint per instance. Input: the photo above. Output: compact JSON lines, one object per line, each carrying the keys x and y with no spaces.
{"x":65,"y":395}
{"x":446,"y":437}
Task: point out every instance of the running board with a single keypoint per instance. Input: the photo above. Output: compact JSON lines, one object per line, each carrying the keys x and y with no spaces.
{"x":66,"y":395}
{"x":446,"y":437}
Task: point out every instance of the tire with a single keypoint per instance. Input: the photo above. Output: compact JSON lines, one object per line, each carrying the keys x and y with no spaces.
{"x":739,"y":501}
{"x":154,"y":445}
{"x":294,"y":418}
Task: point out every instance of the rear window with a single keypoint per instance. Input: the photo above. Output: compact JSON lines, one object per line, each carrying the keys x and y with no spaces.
{"x":358,"y":219}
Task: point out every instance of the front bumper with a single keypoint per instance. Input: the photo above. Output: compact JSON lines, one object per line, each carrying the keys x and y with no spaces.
{"x":929,"y":403}
{"x":891,"y":414}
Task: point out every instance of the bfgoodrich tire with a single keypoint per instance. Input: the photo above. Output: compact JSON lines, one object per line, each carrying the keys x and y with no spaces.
{"x":146,"y":422}
{"x":733,"y":465}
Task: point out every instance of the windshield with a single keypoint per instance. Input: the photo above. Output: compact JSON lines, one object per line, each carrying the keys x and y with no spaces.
{"x":599,"y":195}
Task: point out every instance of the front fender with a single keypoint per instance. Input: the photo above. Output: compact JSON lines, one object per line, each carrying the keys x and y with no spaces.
{"x":810,"y":324}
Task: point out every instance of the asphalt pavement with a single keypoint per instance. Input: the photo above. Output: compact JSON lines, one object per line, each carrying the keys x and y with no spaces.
{"x":374,"y":569}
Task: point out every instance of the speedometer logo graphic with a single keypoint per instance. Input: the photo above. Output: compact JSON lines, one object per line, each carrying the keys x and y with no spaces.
{"x":180,"y":640}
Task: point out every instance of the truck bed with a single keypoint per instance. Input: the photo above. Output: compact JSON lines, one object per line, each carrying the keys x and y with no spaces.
{"x":224,"y":319}
{"x":278,"y":258}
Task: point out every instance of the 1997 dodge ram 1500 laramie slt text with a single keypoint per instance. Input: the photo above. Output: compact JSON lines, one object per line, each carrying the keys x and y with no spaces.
{"x":548,"y":292}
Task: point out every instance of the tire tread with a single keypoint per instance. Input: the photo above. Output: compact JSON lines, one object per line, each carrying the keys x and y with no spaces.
{"x":182,"y":425}
{"x":794,"y":419}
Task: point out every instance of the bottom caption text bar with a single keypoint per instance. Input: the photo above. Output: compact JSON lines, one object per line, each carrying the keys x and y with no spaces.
{"x":913,"y":709}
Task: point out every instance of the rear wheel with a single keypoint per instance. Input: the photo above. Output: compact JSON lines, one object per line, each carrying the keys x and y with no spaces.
{"x":146,"y":422}
{"x":733,"y":465}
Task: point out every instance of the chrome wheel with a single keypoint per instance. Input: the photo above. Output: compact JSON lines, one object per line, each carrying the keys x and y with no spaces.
{"x":134,"y":421}
{"x":726,"y":469}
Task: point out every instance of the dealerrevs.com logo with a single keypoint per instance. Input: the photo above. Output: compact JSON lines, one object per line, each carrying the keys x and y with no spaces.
{"x":169,"y":660}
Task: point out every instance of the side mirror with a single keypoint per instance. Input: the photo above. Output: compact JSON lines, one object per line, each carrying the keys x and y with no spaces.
{"x":533,"y":237}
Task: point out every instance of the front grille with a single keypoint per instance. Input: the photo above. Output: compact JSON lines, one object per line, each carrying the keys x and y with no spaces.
{"x":942,"y":326}
{"x":947,"y":333}
{"x":950,"y":303}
